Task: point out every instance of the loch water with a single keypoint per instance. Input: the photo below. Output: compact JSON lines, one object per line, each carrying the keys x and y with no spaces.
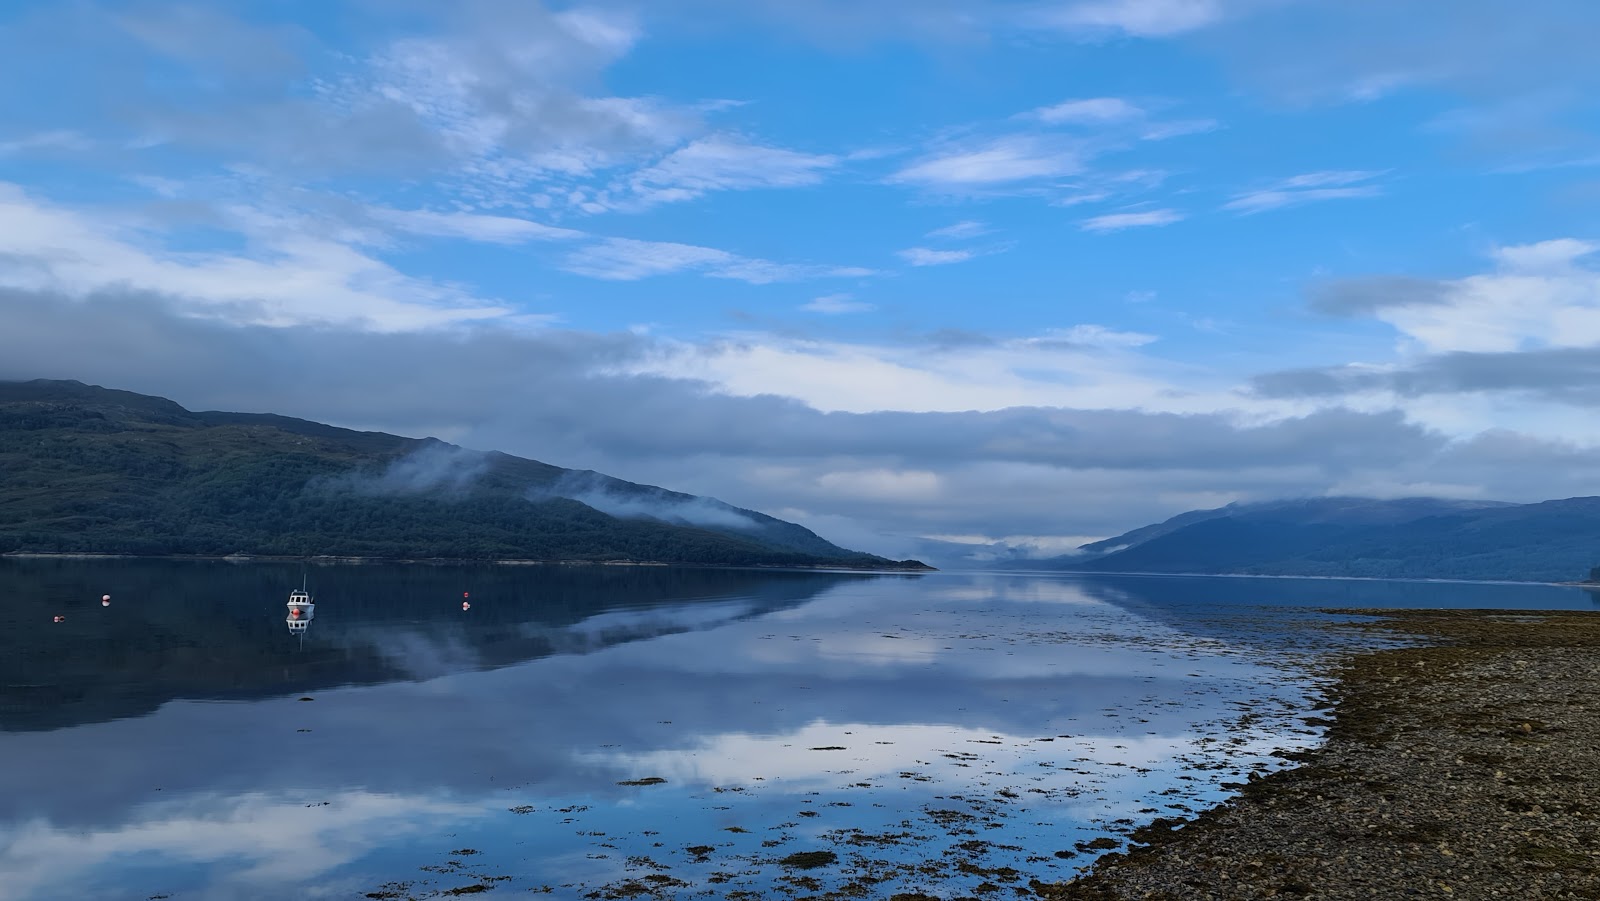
{"x":611,"y":732}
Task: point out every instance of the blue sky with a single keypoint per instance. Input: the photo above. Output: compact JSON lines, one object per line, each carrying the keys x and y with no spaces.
{"x":1157,"y":235}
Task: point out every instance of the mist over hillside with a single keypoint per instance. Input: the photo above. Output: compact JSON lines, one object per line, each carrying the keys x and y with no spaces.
{"x":97,"y":470}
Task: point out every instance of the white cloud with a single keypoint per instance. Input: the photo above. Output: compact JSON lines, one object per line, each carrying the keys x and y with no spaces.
{"x":1140,"y":18}
{"x":994,"y":162}
{"x":1116,"y":118}
{"x":837,"y":303}
{"x":1083,"y":366}
{"x":923,"y":256}
{"x":1326,"y":178}
{"x":1100,"y":336}
{"x":721,"y":163}
{"x":1544,"y":295}
{"x":1048,"y":150}
{"x":626,"y":259}
{"x":289,"y":279}
{"x":969,"y":228}
{"x":1261,"y":201}
{"x":473,"y":226}
{"x":1094,"y":110}
{"x":1307,"y":188}
{"x":1118,"y":221}
{"x":1560,"y":255}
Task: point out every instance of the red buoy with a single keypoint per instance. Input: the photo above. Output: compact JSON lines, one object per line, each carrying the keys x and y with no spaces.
{"x":465,"y":606}
{"x":60,"y":619}
{"x":105,"y":598}
{"x":466,"y":594}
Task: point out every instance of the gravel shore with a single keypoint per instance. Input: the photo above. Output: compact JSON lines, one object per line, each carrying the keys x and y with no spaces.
{"x":1466,"y":767}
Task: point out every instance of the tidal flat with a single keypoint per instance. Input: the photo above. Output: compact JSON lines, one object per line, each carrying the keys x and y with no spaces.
{"x":643,"y":732}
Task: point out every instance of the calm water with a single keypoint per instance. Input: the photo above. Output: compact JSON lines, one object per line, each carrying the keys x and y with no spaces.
{"x":935,"y":733}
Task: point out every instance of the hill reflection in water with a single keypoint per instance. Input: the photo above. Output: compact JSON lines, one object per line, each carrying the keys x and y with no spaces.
{"x":588,"y":729}
{"x":215,"y":630}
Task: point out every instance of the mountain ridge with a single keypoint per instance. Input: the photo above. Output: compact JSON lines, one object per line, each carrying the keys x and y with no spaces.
{"x":89,"y":469}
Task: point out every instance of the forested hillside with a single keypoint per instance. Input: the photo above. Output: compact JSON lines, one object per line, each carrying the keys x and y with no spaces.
{"x":85,"y":469}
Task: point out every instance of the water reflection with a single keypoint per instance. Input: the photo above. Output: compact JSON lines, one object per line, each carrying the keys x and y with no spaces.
{"x":910,"y":724}
{"x":190,"y":629}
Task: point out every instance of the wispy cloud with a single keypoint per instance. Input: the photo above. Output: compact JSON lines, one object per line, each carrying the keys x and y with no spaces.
{"x":1117,"y":221}
{"x":1116,"y":117}
{"x":626,"y":259}
{"x":473,"y":226}
{"x":1094,"y":111}
{"x":1042,"y":147}
{"x":1308,"y":188}
{"x":1090,"y":335}
{"x":46,"y":142}
{"x":835,"y":304}
{"x":722,"y":163}
{"x":924,"y":256}
{"x":994,"y":162}
{"x":1177,"y":128}
{"x":969,"y":228}
{"x":1140,"y":18}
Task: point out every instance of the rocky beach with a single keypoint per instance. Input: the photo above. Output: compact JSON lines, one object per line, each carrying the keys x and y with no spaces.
{"x":1461,"y":765}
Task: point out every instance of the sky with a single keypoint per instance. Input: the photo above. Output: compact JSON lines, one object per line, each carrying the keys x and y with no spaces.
{"x":1016,"y":274}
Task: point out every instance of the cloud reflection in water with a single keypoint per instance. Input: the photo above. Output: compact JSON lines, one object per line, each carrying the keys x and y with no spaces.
{"x":1046,"y":709}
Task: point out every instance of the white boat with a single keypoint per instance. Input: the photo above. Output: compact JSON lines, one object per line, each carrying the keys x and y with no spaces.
{"x":301,"y":610}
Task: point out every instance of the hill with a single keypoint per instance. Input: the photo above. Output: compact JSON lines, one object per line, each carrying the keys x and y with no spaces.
{"x":85,"y":469}
{"x":1407,"y":538}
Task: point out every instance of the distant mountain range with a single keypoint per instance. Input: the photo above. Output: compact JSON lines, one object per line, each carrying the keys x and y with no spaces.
{"x":85,"y":469}
{"x":1342,"y":536}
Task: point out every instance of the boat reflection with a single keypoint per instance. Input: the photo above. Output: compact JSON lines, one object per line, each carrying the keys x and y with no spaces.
{"x":301,"y":611}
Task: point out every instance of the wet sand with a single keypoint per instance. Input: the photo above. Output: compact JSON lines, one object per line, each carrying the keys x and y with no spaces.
{"x":1464,"y":766}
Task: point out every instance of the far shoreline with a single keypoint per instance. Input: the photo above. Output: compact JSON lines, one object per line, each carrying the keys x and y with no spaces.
{"x":1418,"y":579}
{"x":339,"y":559}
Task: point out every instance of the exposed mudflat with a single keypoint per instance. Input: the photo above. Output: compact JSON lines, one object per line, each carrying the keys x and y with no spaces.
{"x":1467,"y":767}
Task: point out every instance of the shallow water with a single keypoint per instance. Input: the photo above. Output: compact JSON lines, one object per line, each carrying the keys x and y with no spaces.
{"x":945,"y":733}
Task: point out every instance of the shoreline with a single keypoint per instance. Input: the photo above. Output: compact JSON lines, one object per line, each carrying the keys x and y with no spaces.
{"x":1187,"y":575}
{"x":335,"y":559}
{"x":1458,"y":765}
